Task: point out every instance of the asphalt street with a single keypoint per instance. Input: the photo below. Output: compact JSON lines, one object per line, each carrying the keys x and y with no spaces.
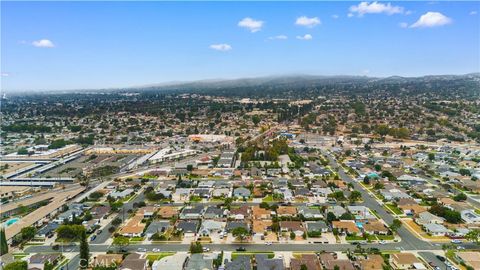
{"x":430,"y":257}
{"x":122,"y":214}
{"x":232,"y":247}
{"x":409,"y":241}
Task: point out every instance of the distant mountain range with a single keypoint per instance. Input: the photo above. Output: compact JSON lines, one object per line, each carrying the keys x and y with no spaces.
{"x":277,"y":85}
{"x":299,"y":79}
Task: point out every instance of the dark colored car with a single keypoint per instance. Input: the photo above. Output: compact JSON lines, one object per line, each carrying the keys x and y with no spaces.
{"x":241,"y":249}
{"x":441,"y":258}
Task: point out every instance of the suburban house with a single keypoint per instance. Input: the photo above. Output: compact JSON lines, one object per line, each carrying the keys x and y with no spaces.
{"x":38,"y":261}
{"x":167,"y":212}
{"x":428,"y":218}
{"x":346,"y":226}
{"x":435,"y":229}
{"x":199,"y":261}
{"x":241,"y":192}
{"x":210,"y":227}
{"x":188,"y":227}
{"x":159,"y":227}
{"x":192,"y":212}
{"x":133,"y":228}
{"x":134,"y":261}
{"x":309,"y":260}
{"x":404,"y":261}
{"x":260,"y":213}
{"x":264,"y":263}
{"x":292,"y":226}
{"x":375,"y":227}
{"x":470,"y":217}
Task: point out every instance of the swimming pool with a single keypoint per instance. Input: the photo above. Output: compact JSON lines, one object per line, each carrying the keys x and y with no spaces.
{"x":10,"y":222}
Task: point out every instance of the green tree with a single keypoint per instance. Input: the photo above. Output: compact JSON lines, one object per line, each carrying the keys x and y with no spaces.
{"x":57,"y":144}
{"x":431,"y":156}
{"x":303,"y":267}
{"x":48,"y":266}
{"x":240,"y":233}
{"x":255,"y":120}
{"x":22,"y":151}
{"x":3,"y":242}
{"x":460,"y":197}
{"x":120,"y":242}
{"x":355,"y":196}
{"x":473,"y":236}
{"x":331,"y":217}
{"x":196,"y":247}
{"x":70,"y":232}
{"x":382,"y":130}
{"x":84,"y":251}
{"x":16,"y":265}
{"x":396,"y":224}
{"x":28,"y":233}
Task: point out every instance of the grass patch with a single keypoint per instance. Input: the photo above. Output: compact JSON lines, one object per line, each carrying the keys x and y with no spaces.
{"x":127,"y":199}
{"x":151,"y":257}
{"x":19,"y":256}
{"x":268,"y":198}
{"x":137,"y":239}
{"x":354,"y":238}
{"x":235,"y":254}
{"x":62,"y":263}
{"x":385,"y":237}
{"x":394,"y":209}
{"x":374,"y":212}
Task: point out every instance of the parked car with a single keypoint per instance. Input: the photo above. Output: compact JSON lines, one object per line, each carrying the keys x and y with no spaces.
{"x":142,"y":250}
{"x":241,"y":249}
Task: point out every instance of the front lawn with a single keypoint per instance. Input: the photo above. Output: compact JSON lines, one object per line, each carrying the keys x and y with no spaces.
{"x":354,"y":238}
{"x":151,"y":257}
{"x":137,"y":239}
{"x":394,"y":209}
{"x":235,"y":254}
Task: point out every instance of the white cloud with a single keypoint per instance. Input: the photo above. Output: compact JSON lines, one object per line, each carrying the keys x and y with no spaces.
{"x":221,"y":47}
{"x":280,"y":37}
{"x":43,"y":43}
{"x":251,"y":24}
{"x":5,"y":74}
{"x":403,"y":25}
{"x":350,"y":15}
{"x":307,"y":22}
{"x":305,"y":37}
{"x":473,"y":12}
{"x":431,"y":19}
{"x":375,"y":8}
{"x":335,"y":16}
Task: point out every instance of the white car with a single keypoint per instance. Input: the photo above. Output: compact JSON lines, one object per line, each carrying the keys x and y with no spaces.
{"x":142,"y":250}
{"x":268,"y":243}
{"x":383,"y":242}
{"x":156,"y":250}
{"x":206,"y":249}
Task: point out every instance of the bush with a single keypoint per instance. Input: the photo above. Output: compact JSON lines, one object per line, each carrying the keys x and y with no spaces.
{"x":196,"y":247}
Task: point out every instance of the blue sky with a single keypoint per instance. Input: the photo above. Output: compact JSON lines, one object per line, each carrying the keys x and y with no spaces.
{"x":79,"y":45}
